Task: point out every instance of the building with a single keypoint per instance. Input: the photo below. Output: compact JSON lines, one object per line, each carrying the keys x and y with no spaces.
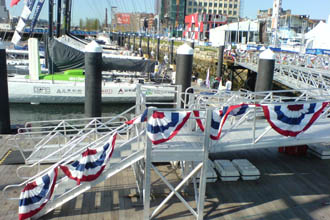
{"x":4,"y":13}
{"x":229,"y":8}
{"x":197,"y":26}
{"x":133,"y":22}
{"x":172,"y":12}
{"x":289,"y":25}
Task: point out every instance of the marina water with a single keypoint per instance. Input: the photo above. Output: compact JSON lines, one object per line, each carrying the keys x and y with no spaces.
{"x":21,"y":113}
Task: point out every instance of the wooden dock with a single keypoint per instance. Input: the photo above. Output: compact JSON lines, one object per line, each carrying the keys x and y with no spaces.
{"x":290,"y":187}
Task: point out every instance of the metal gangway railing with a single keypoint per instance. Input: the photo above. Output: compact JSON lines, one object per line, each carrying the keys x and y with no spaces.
{"x":295,"y":71}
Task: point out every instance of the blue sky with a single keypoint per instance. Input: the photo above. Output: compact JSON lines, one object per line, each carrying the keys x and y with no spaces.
{"x":317,"y":9}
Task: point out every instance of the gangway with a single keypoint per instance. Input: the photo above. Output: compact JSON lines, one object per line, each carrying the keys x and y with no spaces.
{"x":295,"y":74}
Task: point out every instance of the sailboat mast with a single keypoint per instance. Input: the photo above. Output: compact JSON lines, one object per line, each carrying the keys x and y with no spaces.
{"x":58,"y":24}
{"x":69,"y":6}
{"x":50,"y":18}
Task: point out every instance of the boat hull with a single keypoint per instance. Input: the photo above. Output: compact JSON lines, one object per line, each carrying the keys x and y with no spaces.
{"x":24,"y":91}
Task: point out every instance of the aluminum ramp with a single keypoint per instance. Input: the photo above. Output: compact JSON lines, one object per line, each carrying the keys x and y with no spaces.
{"x":67,"y":189}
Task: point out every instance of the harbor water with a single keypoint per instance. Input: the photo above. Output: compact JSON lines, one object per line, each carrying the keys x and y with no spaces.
{"x":21,"y":113}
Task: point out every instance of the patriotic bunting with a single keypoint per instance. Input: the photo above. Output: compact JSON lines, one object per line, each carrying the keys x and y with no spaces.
{"x":290,"y":120}
{"x":36,"y":194}
{"x":219,"y":118}
{"x":139,"y":119}
{"x":91,"y":163}
{"x":163,"y":126}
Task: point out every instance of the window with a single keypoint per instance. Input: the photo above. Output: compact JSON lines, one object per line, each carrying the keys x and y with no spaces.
{"x":210,"y":4}
{"x":214,"y":11}
{"x":220,"y":11}
{"x":195,"y":10}
{"x":230,"y":12}
{"x":189,"y":10}
{"x":210,"y":11}
{"x":205,"y":4}
{"x":230,"y":5}
{"x":199,"y":10}
{"x":235,"y":12}
{"x":224,"y":12}
{"x":200,"y":4}
{"x":190,"y":3}
{"x":215,"y":4}
{"x":195,"y":3}
{"x":225,"y":5}
{"x":220,"y":5}
{"x":235,"y":6}
{"x":204,"y":10}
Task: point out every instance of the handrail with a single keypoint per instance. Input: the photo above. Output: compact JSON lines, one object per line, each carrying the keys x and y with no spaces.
{"x":67,"y":159}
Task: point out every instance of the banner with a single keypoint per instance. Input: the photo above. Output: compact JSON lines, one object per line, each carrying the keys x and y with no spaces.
{"x":123,"y":18}
{"x":163,"y":126}
{"x":16,"y":38}
{"x":36,"y":14}
{"x":290,"y":120}
{"x":91,"y":163}
{"x":36,"y":194}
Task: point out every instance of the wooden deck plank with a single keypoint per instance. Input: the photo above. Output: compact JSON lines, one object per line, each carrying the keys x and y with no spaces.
{"x":290,"y":187}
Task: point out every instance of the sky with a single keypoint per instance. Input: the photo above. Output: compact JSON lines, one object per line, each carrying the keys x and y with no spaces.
{"x":317,"y":9}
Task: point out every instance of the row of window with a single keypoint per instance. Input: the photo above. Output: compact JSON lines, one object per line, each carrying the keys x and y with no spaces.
{"x":211,"y":4}
{"x":230,"y":12}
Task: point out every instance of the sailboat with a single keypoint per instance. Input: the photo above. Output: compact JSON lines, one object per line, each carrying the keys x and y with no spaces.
{"x":68,"y":86}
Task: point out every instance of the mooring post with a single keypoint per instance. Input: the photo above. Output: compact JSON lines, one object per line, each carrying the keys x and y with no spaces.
{"x":148,"y":46}
{"x":184,"y":62}
{"x":265,"y":73}
{"x":171,"y":51}
{"x":93,"y":80}
{"x":133,"y":42}
{"x":4,"y":97}
{"x":140,"y":43}
{"x":157,"y":51}
{"x":129,"y":42}
{"x":220,"y":62}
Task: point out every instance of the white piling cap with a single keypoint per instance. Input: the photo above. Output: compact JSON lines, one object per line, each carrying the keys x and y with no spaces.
{"x":185,"y":49}
{"x":267,"y":55}
{"x":2,"y":46}
{"x":93,"y":47}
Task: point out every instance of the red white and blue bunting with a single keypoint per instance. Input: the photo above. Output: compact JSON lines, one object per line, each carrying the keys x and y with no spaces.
{"x":163,"y":126}
{"x":290,"y":120}
{"x":219,"y":118}
{"x":139,"y":119}
{"x":91,"y":163}
{"x":36,"y":194}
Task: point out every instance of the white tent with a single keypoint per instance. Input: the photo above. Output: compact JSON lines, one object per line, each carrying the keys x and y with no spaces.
{"x":319,"y":37}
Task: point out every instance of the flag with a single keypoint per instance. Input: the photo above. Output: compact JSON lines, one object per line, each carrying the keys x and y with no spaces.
{"x":14,"y":2}
{"x":91,"y":163}
{"x":163,"y":126}
{"x":290,"y":120}
{"x":36,"y":194}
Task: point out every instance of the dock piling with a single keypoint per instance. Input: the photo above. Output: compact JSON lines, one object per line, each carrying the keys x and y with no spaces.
{"x":4,"y":97}
{"x":171,"y":51}
{"x":93,"y":80}
{"x":220,"y":62}
{"x":157,"y":51}
{"x":184,"y":62}
{"x":265,"y":73}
